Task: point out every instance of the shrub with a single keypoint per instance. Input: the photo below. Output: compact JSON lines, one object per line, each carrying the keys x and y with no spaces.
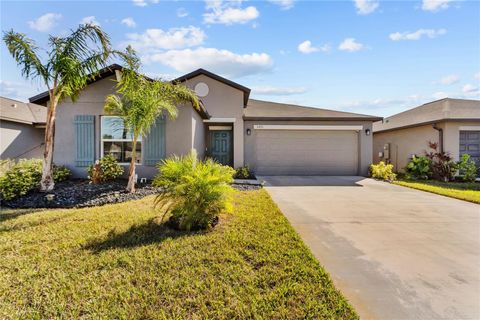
{"x":5,"y":165}
{"x":418,"y":168}
{"x":61,"y":173}
{"x":25,"y":176}
{"x":467,"y":168}
{"x":442,"y":165}
{"x":105,"y":169}
{"x":194,"y":192}
{"x":243,"y":173}
{"x":382,"y":171}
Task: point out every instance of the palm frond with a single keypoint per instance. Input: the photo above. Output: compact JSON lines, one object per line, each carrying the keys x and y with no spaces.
{"x":23,"y":50}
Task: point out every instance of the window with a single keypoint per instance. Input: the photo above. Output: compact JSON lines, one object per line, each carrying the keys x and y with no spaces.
{"x":117,"y":140}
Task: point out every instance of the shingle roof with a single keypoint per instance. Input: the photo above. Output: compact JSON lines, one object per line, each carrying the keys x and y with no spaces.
{"x":17,"y":111}
{"x":265,"y":110}
{"x":431,"y":112}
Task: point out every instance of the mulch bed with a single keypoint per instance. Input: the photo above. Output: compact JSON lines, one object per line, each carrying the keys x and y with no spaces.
{"x":81,"y":193}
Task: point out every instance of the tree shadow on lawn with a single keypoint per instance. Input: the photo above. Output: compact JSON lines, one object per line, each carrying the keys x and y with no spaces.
{"x":139,"y":235}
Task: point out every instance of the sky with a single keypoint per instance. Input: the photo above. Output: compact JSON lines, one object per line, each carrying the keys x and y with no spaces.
{"x":365,"y":56}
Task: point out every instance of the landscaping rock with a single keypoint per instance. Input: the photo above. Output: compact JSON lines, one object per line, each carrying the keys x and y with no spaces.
{"x":80,"y":193}
{"x":246,"y":187}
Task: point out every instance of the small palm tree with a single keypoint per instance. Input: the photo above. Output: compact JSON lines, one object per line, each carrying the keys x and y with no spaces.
{"x":142,"y":101}
{"x":69,"y":64}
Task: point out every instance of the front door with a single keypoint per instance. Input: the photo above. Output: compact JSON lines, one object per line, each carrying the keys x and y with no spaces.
{"x":221,"y":146}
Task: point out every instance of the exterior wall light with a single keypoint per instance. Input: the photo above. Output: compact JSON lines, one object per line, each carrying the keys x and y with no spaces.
{"x":249,"y":131}
{"x":367,"y":132}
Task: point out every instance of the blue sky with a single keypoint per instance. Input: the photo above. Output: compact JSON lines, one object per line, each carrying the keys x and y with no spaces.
{"x":366,"y":56}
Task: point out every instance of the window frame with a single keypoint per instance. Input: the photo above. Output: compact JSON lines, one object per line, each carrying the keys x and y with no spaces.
{"x":102,"y":140}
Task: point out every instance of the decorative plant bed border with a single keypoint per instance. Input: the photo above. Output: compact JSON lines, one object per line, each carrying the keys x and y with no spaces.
{"x":78,"y":193}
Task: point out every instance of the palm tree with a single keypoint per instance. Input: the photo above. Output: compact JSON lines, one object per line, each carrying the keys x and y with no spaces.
{"x":65,"y":71}
{"x":142,"y":101}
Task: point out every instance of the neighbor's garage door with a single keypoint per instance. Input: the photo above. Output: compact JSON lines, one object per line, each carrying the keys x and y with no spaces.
{"x":470,"y":144}
{"x":306,"y":152}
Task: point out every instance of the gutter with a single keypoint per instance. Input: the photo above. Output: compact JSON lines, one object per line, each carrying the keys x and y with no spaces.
{"x":440,"y":136}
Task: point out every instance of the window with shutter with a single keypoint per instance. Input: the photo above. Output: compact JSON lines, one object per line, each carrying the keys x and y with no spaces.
{"x":84,"y":140}
{"x":154,"y":146}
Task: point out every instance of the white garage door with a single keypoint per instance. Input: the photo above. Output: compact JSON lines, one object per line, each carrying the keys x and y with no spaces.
{"x":306,"y":152}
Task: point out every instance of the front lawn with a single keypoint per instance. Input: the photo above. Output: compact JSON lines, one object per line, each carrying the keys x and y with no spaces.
{"x":119,"y":261}
{"x":469,"y":191}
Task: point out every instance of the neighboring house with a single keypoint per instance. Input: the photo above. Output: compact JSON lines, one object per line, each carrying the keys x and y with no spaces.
{"x":22,"y":127}
{"x":452,"y":123}
{"x":269,"y":137}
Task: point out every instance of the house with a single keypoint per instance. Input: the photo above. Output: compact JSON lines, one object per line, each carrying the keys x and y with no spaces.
{"x":271,"y":138}
{"x":452,"y":123}
{"x":22,"y":127}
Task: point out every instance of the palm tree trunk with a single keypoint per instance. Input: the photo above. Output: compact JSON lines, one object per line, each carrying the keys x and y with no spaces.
{"x":47,"y":183}
{"x":131,"y":173}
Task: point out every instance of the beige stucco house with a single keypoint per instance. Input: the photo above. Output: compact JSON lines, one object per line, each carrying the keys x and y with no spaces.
{"x":269,"y":137}
{"x":452,"y":123}
{"x":22,"y":128}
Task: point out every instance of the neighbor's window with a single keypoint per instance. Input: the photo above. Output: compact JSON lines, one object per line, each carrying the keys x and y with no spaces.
{"x":117,"y":140}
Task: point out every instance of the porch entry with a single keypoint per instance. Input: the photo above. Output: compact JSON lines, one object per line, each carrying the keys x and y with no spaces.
{"x":221,"y":144}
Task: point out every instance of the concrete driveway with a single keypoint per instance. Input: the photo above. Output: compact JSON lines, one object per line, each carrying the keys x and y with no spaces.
{"x":395,"y":252}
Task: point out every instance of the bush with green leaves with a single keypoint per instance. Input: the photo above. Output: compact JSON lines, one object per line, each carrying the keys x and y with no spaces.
{"x":243,"y":173}
{"x":467,"y":168}
{"x":25,"y":176}
{"x":194,"y":192}
{"x":105,"y":169}
{"x":5,"y":165}
{"x":419,"y":168}
{"x":382,"y":171}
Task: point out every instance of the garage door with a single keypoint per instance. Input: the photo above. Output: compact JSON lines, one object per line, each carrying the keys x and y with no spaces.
{"x":470,"y":144}
{"x":306,"y":152}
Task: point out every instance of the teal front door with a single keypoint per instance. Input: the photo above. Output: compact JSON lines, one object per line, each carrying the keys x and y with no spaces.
{"x":221,"y":146}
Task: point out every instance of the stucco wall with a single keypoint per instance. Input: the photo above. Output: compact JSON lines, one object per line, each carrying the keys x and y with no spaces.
{"x":198,"y":135}
{"x":224,"y":101}
{"x":91,"y":101}
{"x":20,"y":140}
{"x":452,"y":135}
{"x":406,"y":142}
{"x":365,"y":142}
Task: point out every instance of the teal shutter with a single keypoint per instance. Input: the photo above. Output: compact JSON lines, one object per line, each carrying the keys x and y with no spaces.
{"x":84,"y":140}
{"x":154,"y":143}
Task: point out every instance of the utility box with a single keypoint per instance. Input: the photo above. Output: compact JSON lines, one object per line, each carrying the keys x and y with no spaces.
{"x":386,"y":151}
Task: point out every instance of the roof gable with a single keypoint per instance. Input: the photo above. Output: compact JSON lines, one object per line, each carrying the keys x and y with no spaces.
{"x":193,"y":74}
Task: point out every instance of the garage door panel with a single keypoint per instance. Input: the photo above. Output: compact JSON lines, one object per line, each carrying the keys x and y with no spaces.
{"x":298,"y":152}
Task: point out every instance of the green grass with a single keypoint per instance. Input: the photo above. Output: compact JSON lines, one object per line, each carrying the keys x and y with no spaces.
{"x":468,"y":191}
{"x":120,"y":261}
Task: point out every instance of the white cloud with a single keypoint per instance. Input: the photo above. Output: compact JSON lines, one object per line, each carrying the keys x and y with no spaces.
{"x":140,"y":3}
{"x":182,"y":12}
{"x":275,"y":91}
{"x":90,"y":20}
{"x":284,"y":4}
{"x":17,"y":90}
{"x":417,"y":35}
{"x":477,"y":75}
{"x":435,"y":5}
{"x":439,"y":95}
{"x":157,"y":39}
{"x":129,"y":22}
{"x":450,"y":79}
{"x":306,"y":47}
{"x":469,"y":88}
{"x":223,"y":62}
{"x":46,"y":22}
{"x":349,"y":44}
{"x":365,"y":7}
{"x":228,"y":12}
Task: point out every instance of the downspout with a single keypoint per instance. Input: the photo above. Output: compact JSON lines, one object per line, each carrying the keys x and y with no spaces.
{"x":440,"y":137}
